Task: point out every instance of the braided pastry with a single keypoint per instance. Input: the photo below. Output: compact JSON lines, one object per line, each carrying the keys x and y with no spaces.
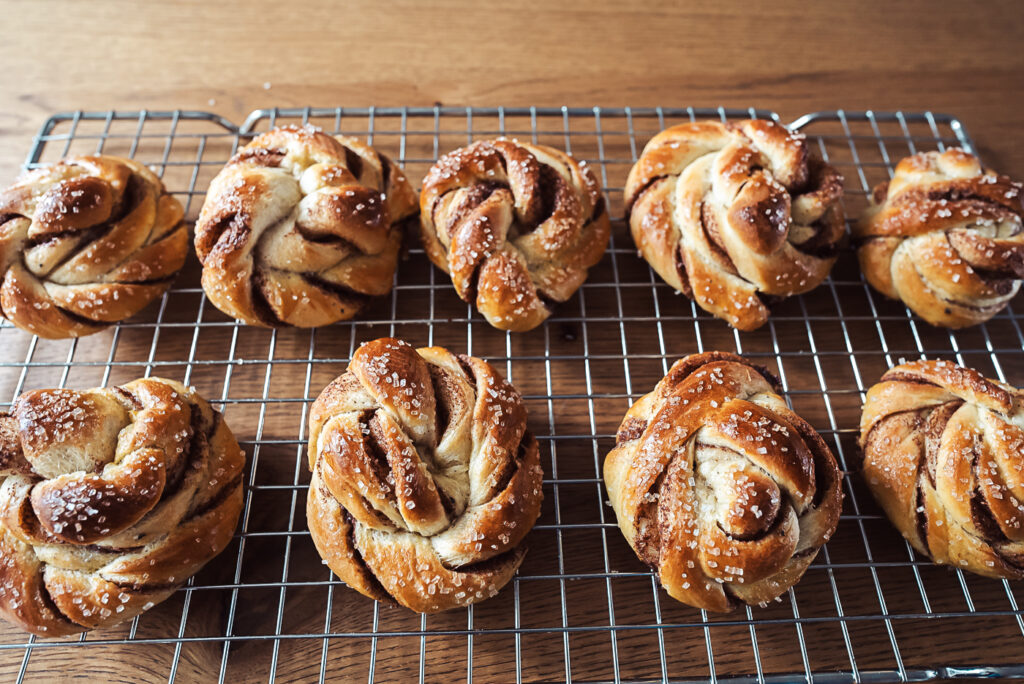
{"x":110,"y":499}
{"x":515,"y":225}
{"x":944,"y":457}
{"x":736,"y":216}
{"x":720,"y":488}
{"x":301,"y":228}
{"x":425,"y":478}
{"x":945,"y":238}
{"x":86,"y":243}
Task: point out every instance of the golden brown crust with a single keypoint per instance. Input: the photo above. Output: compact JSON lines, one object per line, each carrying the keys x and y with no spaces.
{"x":732,"y":214}
{"x":945,"y":237}
{"x":515,"y":225}
{"x":944,"y":457}
{"x":719,"y":487}
{"x":86,"y":243}
{"x":301,"y":228}
{"x":110,"y":499}
{"x":425,"y":478}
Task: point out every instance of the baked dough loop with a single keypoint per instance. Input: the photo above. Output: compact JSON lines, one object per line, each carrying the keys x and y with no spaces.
{"x":719,"y":487}
{"x":86,"y":243}
{"x":110,"y":500}
{"x":945,"y":237}
{"x":516,"y":226}
{"x":736,"y":216}
{"x":425,"y":478}
{"x":944,"y":457}
{"x":301,"y":229}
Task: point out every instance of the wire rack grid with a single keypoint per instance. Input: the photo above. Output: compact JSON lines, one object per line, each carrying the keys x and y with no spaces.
{"x":582,"y":608}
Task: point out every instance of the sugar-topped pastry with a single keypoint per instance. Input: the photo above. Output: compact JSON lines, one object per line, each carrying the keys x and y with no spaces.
{"x":301,"y":228}
{"x":425,"y":479}
{"x":736,"y":216}
{"x":515,"y":225}
{"x":86,"y":243}
{"x":945,"y":237}
{"x":944,"y":457}
{"x":110,"y":499}
{"x":719,"y":487}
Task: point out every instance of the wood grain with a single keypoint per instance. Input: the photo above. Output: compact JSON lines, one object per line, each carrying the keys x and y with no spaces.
{"x":791,"y":57}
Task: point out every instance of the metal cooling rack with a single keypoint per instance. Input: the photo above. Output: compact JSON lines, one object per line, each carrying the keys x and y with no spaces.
{"x":582,"y":608}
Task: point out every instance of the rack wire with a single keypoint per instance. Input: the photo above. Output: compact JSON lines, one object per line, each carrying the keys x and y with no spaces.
{"x":582,"y":608}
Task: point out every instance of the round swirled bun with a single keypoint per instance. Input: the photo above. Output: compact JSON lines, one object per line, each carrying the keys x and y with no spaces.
{"x":719,"y":487}
{"x":111,"y":499}
{"x":943,"y":455}
{"x":945,"y":237}
{"x":86,"y":243}
{"x":302,"y":229}
{"x":516,"y":226}
{"x":425,"y":479}
{"x":736,"y":216}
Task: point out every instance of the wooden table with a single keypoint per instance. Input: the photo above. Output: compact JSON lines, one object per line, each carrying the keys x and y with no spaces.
{"x":790,"y":57}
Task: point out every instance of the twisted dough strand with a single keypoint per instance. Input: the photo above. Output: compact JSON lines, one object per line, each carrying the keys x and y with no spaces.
{"x":301,"y":228}
{"x":944,"y":457}
{"x":516,"y":226}
{"x":719,"y":487}
{"x":425,"y":479}
{"x":945,"y":237}
{"x":735,"y":215}
{"x":110,"y":499}
{"x":86,"y":243}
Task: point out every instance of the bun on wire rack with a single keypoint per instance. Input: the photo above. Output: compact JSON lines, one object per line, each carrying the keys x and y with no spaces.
{"x":425,"y":479}
{"x":86,"y":243}
{"x":110,"y":499}
{"x":944,"y":457}
{"x":737,"y":216}
{"x":515,"y":225}
{"x":945,"y":237}
{"x":302,"y":229}
{"x":722,"y":490}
